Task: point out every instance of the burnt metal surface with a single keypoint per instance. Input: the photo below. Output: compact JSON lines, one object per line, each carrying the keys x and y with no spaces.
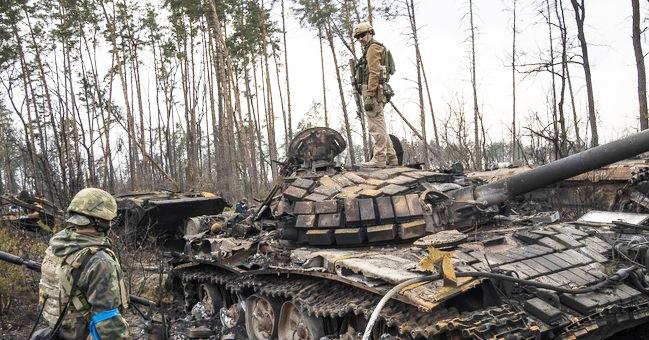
{"x":316,"y":146}
{"x":30,"y":212}
{"x":163,"y":214}
{"x":333,"y":241}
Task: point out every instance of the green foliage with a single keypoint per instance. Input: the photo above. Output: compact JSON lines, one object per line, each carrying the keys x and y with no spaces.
{"x":10,"y":16}
{"x":315,"y":13}
{"x":251,"y":23}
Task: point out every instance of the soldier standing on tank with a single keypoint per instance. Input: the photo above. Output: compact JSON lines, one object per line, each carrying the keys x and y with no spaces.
{"x":82,"y":290}
{"x":371,"y":77}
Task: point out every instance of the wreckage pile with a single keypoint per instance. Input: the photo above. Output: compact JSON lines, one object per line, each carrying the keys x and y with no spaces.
{"x":26,"y":211}
{"x":162,"y":216}
{"x":416,"y":254}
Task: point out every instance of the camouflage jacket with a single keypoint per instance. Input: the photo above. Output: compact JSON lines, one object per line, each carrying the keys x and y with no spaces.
{"x":100,"y":285}
{"x":373,"y":54}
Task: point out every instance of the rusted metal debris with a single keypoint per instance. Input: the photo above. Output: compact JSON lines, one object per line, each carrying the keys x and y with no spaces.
{"x":163,"y":215}
{"x":29,"y":212}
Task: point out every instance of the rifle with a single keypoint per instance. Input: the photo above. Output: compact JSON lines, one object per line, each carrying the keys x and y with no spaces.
{"x":359,"y":104}
{"x":357,"y":89}
{"x":36,"y":266}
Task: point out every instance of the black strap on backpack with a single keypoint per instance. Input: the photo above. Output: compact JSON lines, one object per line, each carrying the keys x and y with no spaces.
{"x":75,"y":283}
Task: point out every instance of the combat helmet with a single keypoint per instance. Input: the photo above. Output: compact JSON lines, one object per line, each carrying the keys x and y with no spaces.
{"x":91,"y":203}
{"x":362,"y":27}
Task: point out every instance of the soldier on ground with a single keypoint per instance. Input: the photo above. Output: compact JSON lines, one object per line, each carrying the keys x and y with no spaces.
{"x":82,"y":291}
{"x":372,"y":73}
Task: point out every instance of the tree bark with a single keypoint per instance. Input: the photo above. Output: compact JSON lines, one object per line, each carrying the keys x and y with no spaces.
{"x":477,"y":150}
{"x":580,"y":17}
{"x":555,"y":118}
{"x":348,"y":130}
{"x":288,"y":84}
{"x":410,"y":6}
{"x":639,"y":59}
{"x":324,"y":82}
{"x":513,"y":65}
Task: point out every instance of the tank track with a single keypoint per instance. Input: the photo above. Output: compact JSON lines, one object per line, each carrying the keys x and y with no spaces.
{"x":313,"y":296}
{"x":614,"y":315}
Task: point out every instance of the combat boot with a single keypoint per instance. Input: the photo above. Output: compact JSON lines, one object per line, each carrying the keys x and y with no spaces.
{"x":373,"y":163}
{"x":393,"y":161}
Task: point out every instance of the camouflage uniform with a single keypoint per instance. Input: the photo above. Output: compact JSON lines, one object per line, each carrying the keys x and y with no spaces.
{"x":373,"y":92}
{"x":101,"y":293}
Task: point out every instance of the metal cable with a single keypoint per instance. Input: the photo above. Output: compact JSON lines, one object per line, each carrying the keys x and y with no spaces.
{"x":388,"y":296}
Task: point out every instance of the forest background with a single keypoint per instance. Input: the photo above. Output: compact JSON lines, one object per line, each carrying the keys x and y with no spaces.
{"x":205,"y":94}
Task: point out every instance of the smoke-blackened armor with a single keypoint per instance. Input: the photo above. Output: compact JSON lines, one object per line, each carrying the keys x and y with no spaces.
{"x":100,"y":285}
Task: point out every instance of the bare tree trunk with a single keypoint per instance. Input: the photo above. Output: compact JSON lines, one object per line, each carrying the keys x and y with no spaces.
{"x":563,"y":142}
{"x":410,"y":6}
{"x":113,"y":36}
{"x":580,"y":17}
{"x":324,"y":84}
{"x":476,"y":113}
{"x":639,"y":59}
{"x":347,"y":22}
{"x":262,"y":165}
{"x":251,"y":130}
{"x":270,"y":116}
{"x":138,"y":90}
{"x":369,"y":11}
{"x":29,"y":132}
{"x":555,"y":118}
{"x":288,"y":85}
{"x":430,"y":101}
{"x":281,"y":102}
{"x":513,"y":64}
{"x":48,"y":101}
{"x":350,"y":143}
{"x":573,"y":106}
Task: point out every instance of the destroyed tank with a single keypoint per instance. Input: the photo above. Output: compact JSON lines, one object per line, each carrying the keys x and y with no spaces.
{"x":406,"y":253}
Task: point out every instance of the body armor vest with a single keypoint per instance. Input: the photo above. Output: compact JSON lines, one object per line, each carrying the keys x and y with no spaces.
{"x":56,"y":285}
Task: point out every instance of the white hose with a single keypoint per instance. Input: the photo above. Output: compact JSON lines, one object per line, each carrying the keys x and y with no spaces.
{"x":388,"y":296}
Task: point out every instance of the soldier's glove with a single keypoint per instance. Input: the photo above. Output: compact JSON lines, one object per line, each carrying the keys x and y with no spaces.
{"x":369,"y":103}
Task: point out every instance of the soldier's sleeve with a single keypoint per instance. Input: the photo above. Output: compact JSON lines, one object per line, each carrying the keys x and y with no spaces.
{"x":373,"y":69}
{"x":103,"y":295}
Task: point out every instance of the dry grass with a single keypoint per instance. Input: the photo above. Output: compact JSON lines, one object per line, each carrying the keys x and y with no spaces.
{"x":18,"y":285}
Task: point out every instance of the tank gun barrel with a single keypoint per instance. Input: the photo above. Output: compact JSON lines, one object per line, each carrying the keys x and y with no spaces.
{"x":17,"y":260}
{"x":582,"y":162}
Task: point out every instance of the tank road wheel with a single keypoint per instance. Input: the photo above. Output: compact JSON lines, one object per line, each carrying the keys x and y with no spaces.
{"x":262,"y":314}
{"x":295,"y":325}
{"x":230,"y":316}
{"x":212,"y":298}
{"x":355,"y":326}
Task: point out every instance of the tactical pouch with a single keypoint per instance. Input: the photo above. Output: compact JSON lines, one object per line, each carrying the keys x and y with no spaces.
{"x":388,"y":92}
{"x":360,"y":74}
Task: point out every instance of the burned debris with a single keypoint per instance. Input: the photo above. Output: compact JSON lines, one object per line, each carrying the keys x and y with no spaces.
{"x":30,"y":212}
{"x":163,"y":216}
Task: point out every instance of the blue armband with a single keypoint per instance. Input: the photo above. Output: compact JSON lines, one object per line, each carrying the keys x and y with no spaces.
{"x":99,"y":317}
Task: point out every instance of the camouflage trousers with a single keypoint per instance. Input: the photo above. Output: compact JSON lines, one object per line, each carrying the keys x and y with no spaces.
{"x":383,"y":150}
